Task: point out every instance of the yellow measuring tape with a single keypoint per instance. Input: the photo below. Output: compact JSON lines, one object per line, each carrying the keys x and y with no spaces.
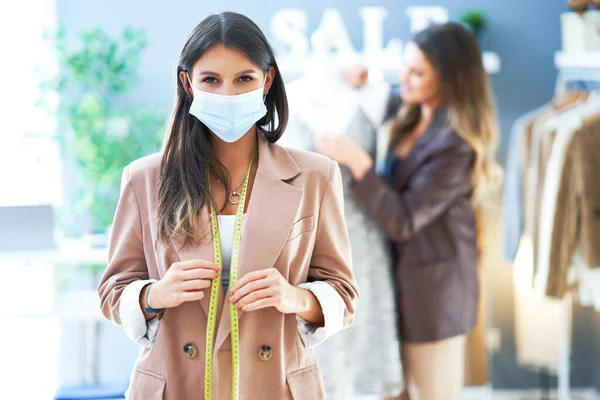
{"x":214,"y":296}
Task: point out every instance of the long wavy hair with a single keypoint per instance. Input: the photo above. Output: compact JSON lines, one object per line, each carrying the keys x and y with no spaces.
{"x":457,"y":59}
{"x":187,"y":150}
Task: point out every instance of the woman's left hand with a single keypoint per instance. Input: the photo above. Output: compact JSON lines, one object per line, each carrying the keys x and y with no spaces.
{"x":345,"y":151}
{"x":266,"y":288}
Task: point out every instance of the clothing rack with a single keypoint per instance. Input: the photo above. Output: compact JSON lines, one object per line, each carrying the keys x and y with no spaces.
{"x":580,"y":73}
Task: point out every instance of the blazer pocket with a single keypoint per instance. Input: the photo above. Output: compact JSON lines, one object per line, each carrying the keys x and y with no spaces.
{"x":301,"y":226}
{"x":145,"y":385}
{"x":306,"y":384}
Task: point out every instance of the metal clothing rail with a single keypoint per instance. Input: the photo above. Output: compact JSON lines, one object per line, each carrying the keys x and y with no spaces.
{"x":577,"y":71}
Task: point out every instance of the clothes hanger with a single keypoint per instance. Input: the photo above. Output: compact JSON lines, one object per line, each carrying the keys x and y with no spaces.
{"x":590,"y":106}
{"x":568,"y":97}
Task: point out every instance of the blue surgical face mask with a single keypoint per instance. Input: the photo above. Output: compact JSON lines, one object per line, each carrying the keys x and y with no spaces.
{"x":229,"y":117}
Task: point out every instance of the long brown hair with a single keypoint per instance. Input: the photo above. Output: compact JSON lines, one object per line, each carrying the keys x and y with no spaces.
{"x":187,"y":150}
{"x":457,"y":59}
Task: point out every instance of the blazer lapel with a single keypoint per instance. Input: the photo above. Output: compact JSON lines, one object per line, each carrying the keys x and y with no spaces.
{"x":271,"y":212}
{"x":421,"y":149}
{"x":203,"y":251}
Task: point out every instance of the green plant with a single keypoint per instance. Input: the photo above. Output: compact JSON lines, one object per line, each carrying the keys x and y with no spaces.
{"x":474,"y":19}
{"x":96,"y":123}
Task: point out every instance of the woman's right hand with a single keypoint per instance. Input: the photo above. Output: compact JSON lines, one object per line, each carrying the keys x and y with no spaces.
{"x":356,"y":75}
{"x":184,"y":281}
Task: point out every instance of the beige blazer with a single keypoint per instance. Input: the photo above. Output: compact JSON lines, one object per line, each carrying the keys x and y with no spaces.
{"x":577,"y":216}
{"x":294,"y":223}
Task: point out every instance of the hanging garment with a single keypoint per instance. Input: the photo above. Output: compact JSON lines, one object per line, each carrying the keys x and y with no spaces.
{"x":542,"y":136}
{"x":548,"y":205}
{"x":566,"y":124}
{"x":366,"y":359}
{"x":578,"y":202}
{"x":533,"y":163}
{"x":513,"y":192}
{"x":542,"y":325}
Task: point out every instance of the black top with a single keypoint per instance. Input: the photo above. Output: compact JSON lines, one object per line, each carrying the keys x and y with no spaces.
{"x":390,"y":165}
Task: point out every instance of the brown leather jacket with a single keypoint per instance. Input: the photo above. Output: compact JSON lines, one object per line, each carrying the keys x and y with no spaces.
{"x":427,"y":214}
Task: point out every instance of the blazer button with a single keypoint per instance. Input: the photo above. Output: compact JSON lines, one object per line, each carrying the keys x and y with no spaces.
{"x":190,"y":350}
{"x":265,"y":353}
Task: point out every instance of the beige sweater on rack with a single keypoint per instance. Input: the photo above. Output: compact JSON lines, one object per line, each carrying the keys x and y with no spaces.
{"x":577,"y":217}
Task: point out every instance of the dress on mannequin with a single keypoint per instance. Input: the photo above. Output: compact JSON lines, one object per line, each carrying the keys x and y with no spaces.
{"x":366,"y":358}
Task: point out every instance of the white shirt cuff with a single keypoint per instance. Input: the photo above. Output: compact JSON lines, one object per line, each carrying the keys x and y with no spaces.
{"x":333,"y":308}
{"x":133,"y":321}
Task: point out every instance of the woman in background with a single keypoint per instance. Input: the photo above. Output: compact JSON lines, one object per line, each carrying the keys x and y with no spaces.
{"x":438,"y":171}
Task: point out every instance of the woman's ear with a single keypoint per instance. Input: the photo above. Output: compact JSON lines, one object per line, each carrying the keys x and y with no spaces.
{"x":269,"y":79}
{"x":185,"y":81}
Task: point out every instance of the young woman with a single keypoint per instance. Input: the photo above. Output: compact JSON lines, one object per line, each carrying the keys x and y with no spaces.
{"x":229,"y":256}
{"x":438,"y":171}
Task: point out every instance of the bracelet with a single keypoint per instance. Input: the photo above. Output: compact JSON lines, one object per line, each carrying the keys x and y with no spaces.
{"x":148,"y":308}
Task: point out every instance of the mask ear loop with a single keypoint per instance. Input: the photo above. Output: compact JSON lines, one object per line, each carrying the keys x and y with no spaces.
{"x":190,"y":83}
{"x":266,"y":92}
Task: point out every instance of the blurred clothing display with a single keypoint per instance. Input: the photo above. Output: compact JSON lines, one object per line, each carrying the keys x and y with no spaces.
{"x":552,"y":198}
{"x":551,"y":194}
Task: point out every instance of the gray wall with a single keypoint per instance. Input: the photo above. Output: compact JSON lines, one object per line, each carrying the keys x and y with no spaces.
{"x":525,"y":34}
